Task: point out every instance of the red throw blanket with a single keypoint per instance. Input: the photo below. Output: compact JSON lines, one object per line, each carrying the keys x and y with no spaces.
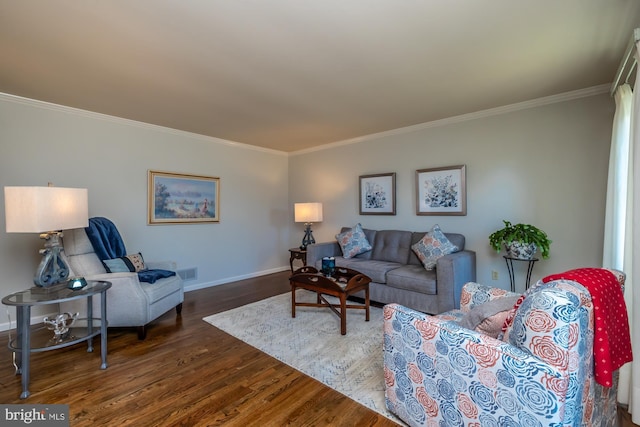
{"x":611,"y":341}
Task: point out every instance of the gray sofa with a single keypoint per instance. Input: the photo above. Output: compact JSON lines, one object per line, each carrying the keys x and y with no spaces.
{"x":396,"y":273}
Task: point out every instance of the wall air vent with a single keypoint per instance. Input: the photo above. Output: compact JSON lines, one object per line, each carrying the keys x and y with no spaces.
{"x":188,"y":274}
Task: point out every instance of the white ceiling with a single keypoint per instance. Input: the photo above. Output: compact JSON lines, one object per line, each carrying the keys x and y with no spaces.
{"x":293,"y":74}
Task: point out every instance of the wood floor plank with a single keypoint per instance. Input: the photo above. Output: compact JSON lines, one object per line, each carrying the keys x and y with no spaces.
{"x":186,"y":373}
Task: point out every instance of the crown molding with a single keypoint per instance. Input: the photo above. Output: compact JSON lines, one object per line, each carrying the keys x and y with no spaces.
{"x":120,"y":120}
{"x":538,"y":102}
{"x":547,"y":100}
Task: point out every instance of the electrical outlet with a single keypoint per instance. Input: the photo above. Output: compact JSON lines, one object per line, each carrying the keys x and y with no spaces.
{"x":494,"y":275}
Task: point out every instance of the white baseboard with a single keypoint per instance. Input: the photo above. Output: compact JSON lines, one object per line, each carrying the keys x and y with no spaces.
{"x":11,"y":320}
{"x":224,"y":281}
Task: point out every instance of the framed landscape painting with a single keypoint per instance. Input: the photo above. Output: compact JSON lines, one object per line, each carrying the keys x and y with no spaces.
{"x":441,"y":191}
{"x":175,"y":198}
{"x":378,"y":194}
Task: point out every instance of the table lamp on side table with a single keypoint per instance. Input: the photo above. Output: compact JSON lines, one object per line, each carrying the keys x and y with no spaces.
{"x":308,"y":213}
{"x":47,"y":210}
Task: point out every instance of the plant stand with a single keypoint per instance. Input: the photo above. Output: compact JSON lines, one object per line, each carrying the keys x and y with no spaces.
{"x":509,"y":261}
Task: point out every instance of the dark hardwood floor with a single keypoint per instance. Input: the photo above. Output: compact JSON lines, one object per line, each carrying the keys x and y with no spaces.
{"x":186,"y":373}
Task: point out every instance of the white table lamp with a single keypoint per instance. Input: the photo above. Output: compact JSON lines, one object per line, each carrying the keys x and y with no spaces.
{"x":308,"y":213}
{"x":47,"y":210}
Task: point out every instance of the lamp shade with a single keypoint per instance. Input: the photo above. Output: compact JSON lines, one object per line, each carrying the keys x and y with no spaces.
{"x":43,"y":209}
{"x":308,"y":212}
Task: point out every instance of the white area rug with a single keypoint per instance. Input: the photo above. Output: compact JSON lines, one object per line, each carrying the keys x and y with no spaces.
{"x":312,"y":344}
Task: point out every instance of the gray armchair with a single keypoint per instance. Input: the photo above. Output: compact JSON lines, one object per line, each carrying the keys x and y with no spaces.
{"x":130,"y":302}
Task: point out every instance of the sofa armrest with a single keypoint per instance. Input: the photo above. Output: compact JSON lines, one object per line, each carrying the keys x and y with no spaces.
{"x":438,"y":371}
{"x":317,"y":251}
{"x":474,"y":294}
{"x":452,"y":272}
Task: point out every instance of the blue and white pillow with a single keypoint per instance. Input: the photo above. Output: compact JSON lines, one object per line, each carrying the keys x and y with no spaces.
{"x":353,"y":242}
{"x":130,"y":263}
{"x":432,"y":246}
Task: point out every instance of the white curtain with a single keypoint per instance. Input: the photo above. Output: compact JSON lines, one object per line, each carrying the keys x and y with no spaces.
{"x":622,"y":230}
{"x":619,"y":182}
{"x":633,"y":257}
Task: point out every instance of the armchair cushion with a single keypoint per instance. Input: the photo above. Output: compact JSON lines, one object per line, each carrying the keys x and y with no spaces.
{"x":132,"y":263}
{"x":489,"y":317}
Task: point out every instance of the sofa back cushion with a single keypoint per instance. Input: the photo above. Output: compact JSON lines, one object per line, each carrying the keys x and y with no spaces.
{"x":455,"y":238}
{"x":392,"y":246}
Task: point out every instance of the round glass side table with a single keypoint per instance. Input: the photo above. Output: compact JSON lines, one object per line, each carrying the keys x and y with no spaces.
{"x":24,"y":344}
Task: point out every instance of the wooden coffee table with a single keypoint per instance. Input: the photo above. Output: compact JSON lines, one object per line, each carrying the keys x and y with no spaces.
{"x":343,"y":283}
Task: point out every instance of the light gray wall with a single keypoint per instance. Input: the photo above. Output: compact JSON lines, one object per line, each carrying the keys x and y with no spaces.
{"x":545,"y":165}
{"x":40,"y":143}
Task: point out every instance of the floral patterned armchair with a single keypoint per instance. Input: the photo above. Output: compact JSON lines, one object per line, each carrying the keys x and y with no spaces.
{"x":539,"y":372}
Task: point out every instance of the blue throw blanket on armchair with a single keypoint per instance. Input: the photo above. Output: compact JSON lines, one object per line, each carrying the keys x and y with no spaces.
{"x":108,"y":244}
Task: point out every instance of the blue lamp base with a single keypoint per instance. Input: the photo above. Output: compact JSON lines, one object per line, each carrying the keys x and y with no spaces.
{"x":52,"y":268}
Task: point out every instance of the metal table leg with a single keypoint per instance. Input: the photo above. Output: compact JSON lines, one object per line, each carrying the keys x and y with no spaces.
{"x":103,"y":329}
{"x":24,"y":338}
{"x":90,"y":323}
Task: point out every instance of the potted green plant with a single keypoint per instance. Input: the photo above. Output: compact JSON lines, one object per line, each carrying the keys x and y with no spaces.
{"x":520,"y":240}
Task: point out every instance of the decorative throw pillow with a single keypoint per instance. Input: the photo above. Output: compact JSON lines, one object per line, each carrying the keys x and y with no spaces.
{"x":353,"y":242}
{"x":130,"y":263}
{"x":432,"y":246}
{"x":489,"y":317}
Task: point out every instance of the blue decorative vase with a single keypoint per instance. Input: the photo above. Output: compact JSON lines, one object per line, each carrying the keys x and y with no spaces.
{"x":328,"y":266}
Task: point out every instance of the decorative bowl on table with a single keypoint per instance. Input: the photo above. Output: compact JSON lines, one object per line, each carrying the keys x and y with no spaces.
{"x":60,"y":325}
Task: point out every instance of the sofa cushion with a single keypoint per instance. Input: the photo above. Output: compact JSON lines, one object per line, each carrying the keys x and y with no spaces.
{"x":345,"y":262}
{"x":376,"y":270}
{"x":353,"y":242}
{"x":392,"y":246}
{"x":413,"y":278}
{"x":432,"y":246}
